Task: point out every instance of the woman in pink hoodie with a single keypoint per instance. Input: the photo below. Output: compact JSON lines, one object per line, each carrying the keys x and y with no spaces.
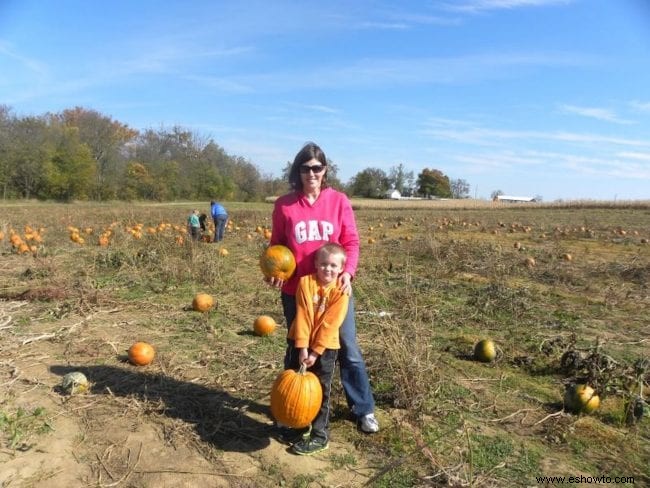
{"x":303,"y":220}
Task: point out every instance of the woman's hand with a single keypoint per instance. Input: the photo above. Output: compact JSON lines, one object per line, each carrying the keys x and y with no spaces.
{"x":345,"y":283}
{"x":274,"y":282}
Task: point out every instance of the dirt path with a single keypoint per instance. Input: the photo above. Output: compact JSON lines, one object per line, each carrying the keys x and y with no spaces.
{"x":133,"y":428}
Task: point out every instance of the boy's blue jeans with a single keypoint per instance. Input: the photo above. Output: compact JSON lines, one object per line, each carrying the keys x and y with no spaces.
{"x":219,"y":227}
{"x":354,"y":376}
{"x":323,"y":368}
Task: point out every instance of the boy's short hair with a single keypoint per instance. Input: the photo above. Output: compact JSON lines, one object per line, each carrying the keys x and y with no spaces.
{"x":331,"y":248}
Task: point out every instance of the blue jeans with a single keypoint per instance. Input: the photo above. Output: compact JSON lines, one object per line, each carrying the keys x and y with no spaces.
{"x":354,"y":376}
{"x":219,"y":227}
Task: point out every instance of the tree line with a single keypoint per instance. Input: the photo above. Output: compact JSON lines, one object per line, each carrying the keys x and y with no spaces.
{"x":81,"y":154}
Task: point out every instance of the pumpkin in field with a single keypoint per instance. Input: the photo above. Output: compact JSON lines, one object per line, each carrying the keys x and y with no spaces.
{"x":264,"y":325}
{"x":296,"y":397}
{"x":581,"y":399}
{"x":277,"y":261}
{"x":485,"y":351}
{"x":202,"y":302}
{"x":141,"y":353}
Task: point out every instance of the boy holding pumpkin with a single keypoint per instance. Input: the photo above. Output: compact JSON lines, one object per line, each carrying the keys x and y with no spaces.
{"x":313,"y":338}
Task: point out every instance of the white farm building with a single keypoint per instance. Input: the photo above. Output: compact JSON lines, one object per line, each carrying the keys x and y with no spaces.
{"x":511,"y":199}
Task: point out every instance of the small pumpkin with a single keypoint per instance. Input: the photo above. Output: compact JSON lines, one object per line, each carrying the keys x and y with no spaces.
{"x":296,"y":397}
{"x":141,"y":353}
{"x":278,"y":261}
{"x":485,"y":351}
{"x":264,"y":325}
{"x":202,"y":302}
{"x":74,"y":382}
{"x":581,"y":398}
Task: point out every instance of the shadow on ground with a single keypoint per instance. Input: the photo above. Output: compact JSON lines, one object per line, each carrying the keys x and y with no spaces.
{"x":218,"y":417}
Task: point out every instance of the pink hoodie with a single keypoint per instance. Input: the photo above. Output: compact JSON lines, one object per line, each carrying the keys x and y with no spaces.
{"x":304,"y":228}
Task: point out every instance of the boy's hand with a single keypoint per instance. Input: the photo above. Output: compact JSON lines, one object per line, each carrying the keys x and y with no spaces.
{"x":310,"y":360}
{"x":303,"y":354}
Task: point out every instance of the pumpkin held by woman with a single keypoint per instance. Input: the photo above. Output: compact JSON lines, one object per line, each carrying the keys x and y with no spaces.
{"x":278,"y":261}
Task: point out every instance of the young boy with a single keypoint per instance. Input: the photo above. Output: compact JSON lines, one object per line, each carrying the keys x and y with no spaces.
{"x":193,"y":225}
{"x":313,"y":338}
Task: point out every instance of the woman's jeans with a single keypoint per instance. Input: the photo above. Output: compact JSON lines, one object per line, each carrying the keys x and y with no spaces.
{"x":354,"y":376}
{"x":219,"y":227}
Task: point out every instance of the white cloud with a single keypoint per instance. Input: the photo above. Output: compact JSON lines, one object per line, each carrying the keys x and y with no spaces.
{"x":641,"y":106}
{"x":382,"y":72}
{"x":595,"y":113}
{"x":472,"y":134}
{"x":475,"y":6}
{"x":549,"y":163}
{"x":635,"y":155}
{"x":30,"y":64}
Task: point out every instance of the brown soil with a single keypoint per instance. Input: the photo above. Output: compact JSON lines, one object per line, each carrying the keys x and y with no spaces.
{"x":159,"y":426}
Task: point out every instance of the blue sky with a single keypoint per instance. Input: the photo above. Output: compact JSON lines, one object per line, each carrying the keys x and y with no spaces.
{"x":530,"y":97}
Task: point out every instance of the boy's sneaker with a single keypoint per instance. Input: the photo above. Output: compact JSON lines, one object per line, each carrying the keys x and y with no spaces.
{"x":368,"y":424}
{"x":309,"y":446}
{"x":289,"y":436}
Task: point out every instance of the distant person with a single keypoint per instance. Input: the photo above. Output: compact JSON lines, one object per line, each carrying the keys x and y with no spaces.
{"x":194,"y":225}
{"x":220,"y":218}
{"x":204,"y":237}
{"x":202,"y":218}
{"x":304,"y":219}
{"x":313,"y":340}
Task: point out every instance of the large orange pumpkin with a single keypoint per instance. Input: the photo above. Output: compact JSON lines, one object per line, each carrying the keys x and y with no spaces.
{"x":264,"y":325}
{"x":278,"y":261}
{"x":296,"y":397}
{"x":202,"y":302}
{"x":141,"y":353}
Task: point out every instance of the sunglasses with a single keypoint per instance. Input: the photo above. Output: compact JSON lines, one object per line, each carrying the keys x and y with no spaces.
{"x":317,"y":168}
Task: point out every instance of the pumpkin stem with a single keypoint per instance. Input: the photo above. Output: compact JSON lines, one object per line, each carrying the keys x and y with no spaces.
{"x":303,"y":369}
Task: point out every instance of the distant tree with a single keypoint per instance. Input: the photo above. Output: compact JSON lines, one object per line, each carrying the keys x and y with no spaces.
{"x":400,"y":179}
{"x":7,"y":140}
{"x":71,"y":171}
{"x":433,"y":182}
{"x":459,"y":188}
{"x":138,"y":183}
{"x":107,"y":140}
{"x":495,"y":194}
{"x":369,"y":183}
{"x":247,"y":180}
{"x":30,"y":155}
{"x":539,"y":198}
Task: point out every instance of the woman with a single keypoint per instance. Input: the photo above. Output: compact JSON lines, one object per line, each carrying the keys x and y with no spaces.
{"x":303,"y":220}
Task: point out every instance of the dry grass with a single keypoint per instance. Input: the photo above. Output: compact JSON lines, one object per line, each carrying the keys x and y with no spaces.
{"x":435,"y":280}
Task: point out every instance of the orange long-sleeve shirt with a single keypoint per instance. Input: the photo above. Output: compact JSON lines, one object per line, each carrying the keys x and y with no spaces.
{"x":320,"y":311}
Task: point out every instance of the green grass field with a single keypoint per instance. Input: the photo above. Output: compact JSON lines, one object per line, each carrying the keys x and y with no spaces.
{"x":561,"y":290}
